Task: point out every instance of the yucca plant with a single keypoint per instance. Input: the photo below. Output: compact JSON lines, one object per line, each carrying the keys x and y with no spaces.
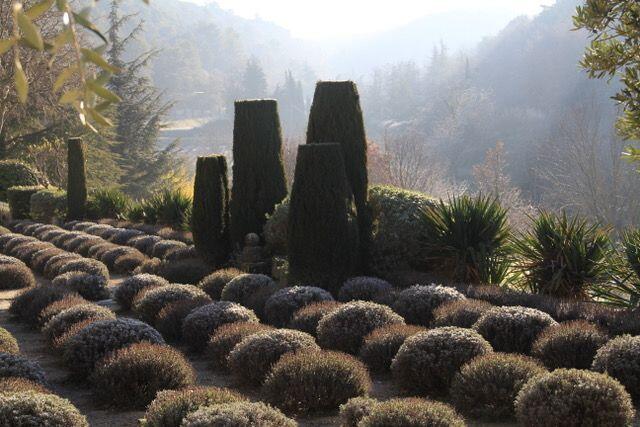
{"x":465,"y":239}
{"x":108,"y":203}
{"x":170,"y":207}
{"x":562,"y":256}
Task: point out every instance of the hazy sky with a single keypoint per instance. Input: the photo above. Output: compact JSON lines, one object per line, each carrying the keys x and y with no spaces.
{"x":318,"y":19}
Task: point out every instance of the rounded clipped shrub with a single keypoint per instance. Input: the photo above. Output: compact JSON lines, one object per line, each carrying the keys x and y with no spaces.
{"x":356,"y":408}
{"x":123,"y":235}
{"x":620,"y":359}
{"x":149,"y":303}
{"x":99,"y":338}
{"x":427,"y":361}
{"x":238,"y":414}
{"x":163,"y":247}
{"x":39,"y":259}
{"x":17,"y":240}
{"x":20,"y":385}
{"x":55,"y":263}
{"x":131,"y":376}
{"x":281,"y":306}
{"x":189,"y":271}
{"x":307,"y":318}
{"x":512,"y":329}
{"x":213,"y":283}
{"x":315,"y":381}
{"x":129,"y":288}
{"x":150,"y":266}
{"x":60,"y":343}
{"x":250,"y":290}
{"x":28,"y":305}
{"x":364,"y":289}
{"x":344,"y":328}
{"x":462,"y":313}
{"x":170,"y":318}
{"x":110,"y":256}
{"x":569,"y":345}
{"x":251,"y":360}
{"x":16,"y":276}
{"x":412,"y":412}
{"x":572,"y":397}
{"x":144,"y":243}
{"x":35,"y":409}
{"x":14,"y":365}
{"x":380,"y":346}
{"x":9,"y":260}
{"x":226,"y":337}
{"x":127,"y":263}
{"x":198,"y":326}
{"x":90,"y":286}
{"x":86,"y":265}
{"x":179,"y":254}
{"x":8,"y":343}
{"x":26,"y":251}
{"x":60,"y":324}
{"x":170,"y":407}
{"x":56,"y":307}
{"x":417,"y":303}
{"x":98,"y":250}
{"x":486,"y":387}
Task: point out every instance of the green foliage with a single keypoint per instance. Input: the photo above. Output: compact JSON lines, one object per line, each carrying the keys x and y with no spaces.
{"x":107,"y":203}
{"x":77,"y":180}
{"x":259,"y":182}
{"x":322,"y":235}
{"x":336,"y":116}
{"x":20,"y":200}
{"x":170,"y":207}
{"x":210,"y":219}
{"x":48,"y":205}
{"x":8,"y":343}
{"x":275,"y":229}
{"x":561,"y":256}
{"x":15,"y":173}
{"x":464,"y":238}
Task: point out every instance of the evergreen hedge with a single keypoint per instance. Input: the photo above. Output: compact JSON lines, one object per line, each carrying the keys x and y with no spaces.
{"x":15,"y":173}
{"x":259,"y":182}
{"x":77,"y":180}
{"x":210,"y":216}
{"x":322,"y":238}
{"x":19,"y":198}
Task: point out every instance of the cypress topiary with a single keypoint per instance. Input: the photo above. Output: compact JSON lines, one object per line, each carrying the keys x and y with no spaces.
{"x":210,"y":216}
{"x":258,"y":173}
{"x":77,"y":180}
{"x":322,"y":235}
{"x":336,"y":116}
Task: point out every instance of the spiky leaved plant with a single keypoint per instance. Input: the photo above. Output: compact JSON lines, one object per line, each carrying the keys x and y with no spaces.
{"x":465,"y":239}
{"x":561,"y":256}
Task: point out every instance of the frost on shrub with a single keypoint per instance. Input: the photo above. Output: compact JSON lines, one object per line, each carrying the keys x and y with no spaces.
{"x":226,"y":337}
{"x":569,"y":345}
{"x":380,"y":346}
{"x":129,"y":287}
{"x":427,"y":361}
{"x":90,"y":286}
{"x":412,"y":412}
{"x":512,"y":329}
{"x":356,"y":408}
{"x":281,"y":306}
{"x":250,"y":290}
{"x":34,"y":409}
{"x":98,"y":339}
{"x":462,"y":313}
{"x":16,"y":276}
{"x":573,"y":397}
{"x":417,"y":303}
{"x":620,"y":359}
{"x":307,"y":318}
{"x":198,"y":326}
{"x":344,"y":328}
{"x":170,"y":407}
{"x":8,"y":343}
{"x":59,"y":324}
{"x":251,"y":360}
{"x":149,"y":303}
{"x":14,"y":365}
{"x":238,"y":414}
{"x":364,"y":289}
{"x":131,"y":377}
{"x":486,"y":387}
{"x":315,"y":381}
{"x":216,"y":281}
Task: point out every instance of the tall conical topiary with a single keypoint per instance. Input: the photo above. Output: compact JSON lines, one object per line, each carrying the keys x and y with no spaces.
{"x":77,"y":180}
{"x":210,"y":215}
{"x":323,"y":234}
{"x":336,"y":116}
{"x":258,"y":171}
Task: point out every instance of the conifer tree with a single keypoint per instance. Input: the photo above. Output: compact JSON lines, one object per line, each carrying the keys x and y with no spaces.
{"x":254,"y":81}
{"x":322,"y":231}
{"x":77,"y":180}
{"x":258,"y":172}
{"x":336,"y":117}
{"x":210,"y":216}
